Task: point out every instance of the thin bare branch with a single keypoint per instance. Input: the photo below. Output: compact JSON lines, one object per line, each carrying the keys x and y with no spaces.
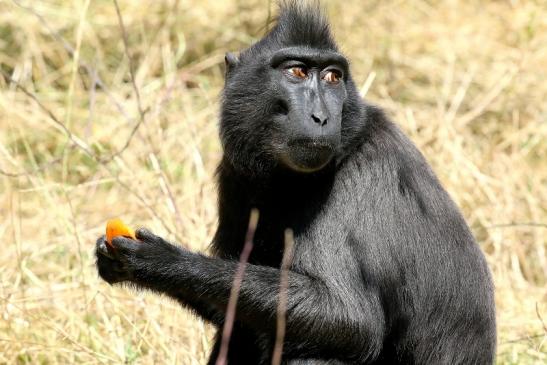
{"x":73,"y":138}
{"x":129,"y":59}
{"x":524,"y":338}
{"x":283,"y":297}
{"x":70,"y":50}
{"x":38,"y":169}
{"x":541,"y":318}
{"x":517,"y":224}
{"x":96,"y":79}
{"x":238,"y":279}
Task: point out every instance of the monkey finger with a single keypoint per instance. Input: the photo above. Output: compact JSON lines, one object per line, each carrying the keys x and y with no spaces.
{"x":111,"y":264}
{"x":146,"y":235}
{"x":102,"y":248}
{"x":112,"y":271}
{"x":100,"y":239}
{"x":123,"y":244}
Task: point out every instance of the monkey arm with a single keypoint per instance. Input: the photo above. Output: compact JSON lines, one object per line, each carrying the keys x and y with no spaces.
{"x":314,"y":311}
{"x":318,"y":316}
{"x":121,"y":265}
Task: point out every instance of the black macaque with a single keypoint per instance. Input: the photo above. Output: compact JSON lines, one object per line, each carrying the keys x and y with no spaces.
{"x":385,"y":269}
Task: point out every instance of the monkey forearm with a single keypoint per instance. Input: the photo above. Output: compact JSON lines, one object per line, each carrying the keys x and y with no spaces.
{"x":197,"y":280}
{"x":205,"y":310}
{"x":313,"y":311}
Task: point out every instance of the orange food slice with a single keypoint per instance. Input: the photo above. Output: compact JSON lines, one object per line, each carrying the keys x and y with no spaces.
{"x":115,"y":227}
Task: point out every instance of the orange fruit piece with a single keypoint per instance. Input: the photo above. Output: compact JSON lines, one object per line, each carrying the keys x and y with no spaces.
{"x":115,"y":227}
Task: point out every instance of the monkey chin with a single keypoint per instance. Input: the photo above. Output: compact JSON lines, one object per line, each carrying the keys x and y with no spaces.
{"x":307,"y":156}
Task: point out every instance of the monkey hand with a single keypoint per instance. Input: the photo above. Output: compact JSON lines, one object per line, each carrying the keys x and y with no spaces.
{"x":131,"y":260}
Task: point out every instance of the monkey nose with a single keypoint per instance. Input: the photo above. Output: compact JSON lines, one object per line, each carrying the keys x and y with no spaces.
{"x":319,"y":118}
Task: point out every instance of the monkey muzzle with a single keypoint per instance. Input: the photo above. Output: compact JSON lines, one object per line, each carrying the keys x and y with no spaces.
{"x":308,"y":154}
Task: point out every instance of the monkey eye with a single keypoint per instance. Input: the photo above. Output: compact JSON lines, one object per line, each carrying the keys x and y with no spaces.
{"x":298,"y":71}
{"x":332,"y":76}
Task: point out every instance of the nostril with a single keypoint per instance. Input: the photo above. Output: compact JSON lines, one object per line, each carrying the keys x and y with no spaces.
{"x":318,"y":120}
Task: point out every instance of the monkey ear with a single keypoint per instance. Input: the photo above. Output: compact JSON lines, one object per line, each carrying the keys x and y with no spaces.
{"x":231,"y":61}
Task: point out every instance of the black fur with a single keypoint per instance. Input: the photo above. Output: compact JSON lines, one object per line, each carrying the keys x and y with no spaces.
{"x":385,"y":269}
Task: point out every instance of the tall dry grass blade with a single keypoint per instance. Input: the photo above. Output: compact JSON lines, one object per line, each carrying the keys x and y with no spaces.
{"x":129,"y":59}
{"x":238,"y":279}
{"x":142,"y":111}
{"x":91,"y":71}
{"x":493,"y":165}
{"x":283,"y":297}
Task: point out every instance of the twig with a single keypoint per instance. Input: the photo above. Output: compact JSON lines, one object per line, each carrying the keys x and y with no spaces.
{"x":60,"y":330}
{"x":367,"y":84}
{"x":92,"y":72}
{"x":234,"y":293}
{"x":131,"y":65}
{"x":164,"y":185}
{"x":73,"y":138}
{"x":76,"y":143}
{"x":142,"y":111}
{"x":525,"y":338}
{"x":41,"y":167}
{"x":70,"y":50}
{"x":283,"y":297}
{"x":518,"y":224}
{"x":496,"y":90}
{"x":541,"y":319}
{"x":144,"y":203}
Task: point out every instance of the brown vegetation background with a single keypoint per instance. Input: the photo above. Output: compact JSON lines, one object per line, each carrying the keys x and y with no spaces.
{"x":96,"y":122}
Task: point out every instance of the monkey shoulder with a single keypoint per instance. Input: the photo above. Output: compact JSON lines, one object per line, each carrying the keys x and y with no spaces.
{"x":391,"y":206}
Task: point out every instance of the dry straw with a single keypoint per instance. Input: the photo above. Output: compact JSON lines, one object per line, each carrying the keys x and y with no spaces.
{"x":100,"y":120}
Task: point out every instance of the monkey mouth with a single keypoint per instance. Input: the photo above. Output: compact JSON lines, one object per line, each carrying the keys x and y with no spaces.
{"x":308,"y":154}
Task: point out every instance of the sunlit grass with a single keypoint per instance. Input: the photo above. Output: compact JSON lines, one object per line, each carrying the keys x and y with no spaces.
{"x":465,"y":80}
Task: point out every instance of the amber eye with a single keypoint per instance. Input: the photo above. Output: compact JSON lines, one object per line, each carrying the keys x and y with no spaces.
{"x":332,"y":77}
{"x":299,"y":72}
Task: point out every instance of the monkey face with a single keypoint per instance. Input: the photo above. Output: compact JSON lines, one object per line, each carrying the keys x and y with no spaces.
{"x":309,"y":98}
{"x":284,"y":108}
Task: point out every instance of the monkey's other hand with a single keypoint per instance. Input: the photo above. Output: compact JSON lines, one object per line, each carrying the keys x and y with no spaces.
{"x":133,"y":260}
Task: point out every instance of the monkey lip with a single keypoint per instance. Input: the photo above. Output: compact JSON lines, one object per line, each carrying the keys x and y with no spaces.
{"x":312,"y":143}
{"x":308,"y":154}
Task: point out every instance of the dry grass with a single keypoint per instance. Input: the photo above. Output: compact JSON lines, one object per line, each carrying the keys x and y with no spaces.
{"x":467,"y":81}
